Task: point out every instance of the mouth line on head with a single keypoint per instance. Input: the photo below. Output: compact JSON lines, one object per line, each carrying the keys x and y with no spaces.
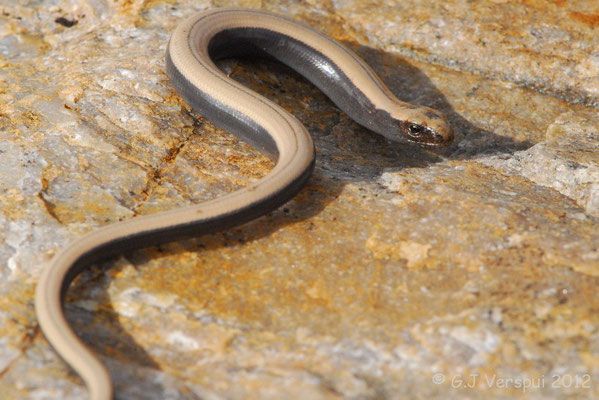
{"x":430,"y":145}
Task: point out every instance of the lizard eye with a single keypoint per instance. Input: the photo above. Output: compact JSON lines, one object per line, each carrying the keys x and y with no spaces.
{"x":415,"y":130}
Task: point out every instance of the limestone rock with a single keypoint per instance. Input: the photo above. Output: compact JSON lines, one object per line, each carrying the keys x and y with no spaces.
{"x":396,"y":273}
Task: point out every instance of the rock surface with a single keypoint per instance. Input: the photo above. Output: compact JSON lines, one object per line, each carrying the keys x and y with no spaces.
{"x":396,"y":273}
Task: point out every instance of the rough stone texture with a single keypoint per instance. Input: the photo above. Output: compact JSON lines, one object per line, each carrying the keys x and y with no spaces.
{"x":396,"y":273}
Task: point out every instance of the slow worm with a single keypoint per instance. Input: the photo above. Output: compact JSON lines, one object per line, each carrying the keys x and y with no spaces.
{"x":192,"y":50}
